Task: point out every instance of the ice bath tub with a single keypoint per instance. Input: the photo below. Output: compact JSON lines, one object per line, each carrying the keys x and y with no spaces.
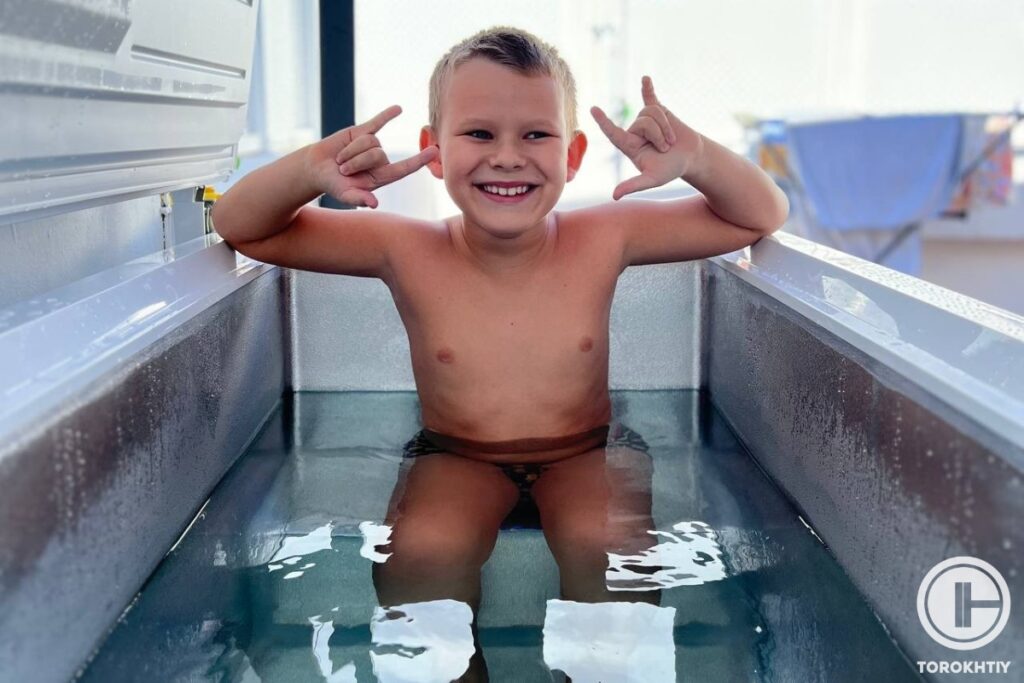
{"x":887,"y":410}
{"x":273,"y":580}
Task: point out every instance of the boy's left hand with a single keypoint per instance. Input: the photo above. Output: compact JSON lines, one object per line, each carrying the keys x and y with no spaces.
{"x":660,"y":145}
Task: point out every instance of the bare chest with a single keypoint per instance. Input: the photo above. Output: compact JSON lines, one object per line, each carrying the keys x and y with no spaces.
{"x":549,"y":322}
{"x":499,"y":356}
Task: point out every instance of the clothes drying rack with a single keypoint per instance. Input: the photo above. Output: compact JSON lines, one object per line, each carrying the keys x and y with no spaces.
{"x":910,"y":228}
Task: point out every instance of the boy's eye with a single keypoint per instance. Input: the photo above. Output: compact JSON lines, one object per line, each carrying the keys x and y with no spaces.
{"x":485,"y":135}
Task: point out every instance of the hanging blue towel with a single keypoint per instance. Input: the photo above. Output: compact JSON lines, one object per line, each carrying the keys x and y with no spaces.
{"x":877,"y":173}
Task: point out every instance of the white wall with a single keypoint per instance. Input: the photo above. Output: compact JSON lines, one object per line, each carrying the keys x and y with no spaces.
{"x":992,"y":271}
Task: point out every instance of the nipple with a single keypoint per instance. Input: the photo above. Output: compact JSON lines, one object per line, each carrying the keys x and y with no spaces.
{"x":445,"y":355}
{"x":586,"y":344}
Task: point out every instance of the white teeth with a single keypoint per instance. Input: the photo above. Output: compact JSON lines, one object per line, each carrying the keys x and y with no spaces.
{"x":506,"y":191}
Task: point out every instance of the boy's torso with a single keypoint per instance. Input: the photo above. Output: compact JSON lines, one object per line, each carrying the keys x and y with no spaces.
{"x":513,"y":355}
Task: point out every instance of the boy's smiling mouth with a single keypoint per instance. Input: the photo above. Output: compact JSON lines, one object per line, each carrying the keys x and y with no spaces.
{"x":505,"y":192}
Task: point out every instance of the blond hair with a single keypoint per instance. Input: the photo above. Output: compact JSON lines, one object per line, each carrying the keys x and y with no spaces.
{"x":511,"y":47}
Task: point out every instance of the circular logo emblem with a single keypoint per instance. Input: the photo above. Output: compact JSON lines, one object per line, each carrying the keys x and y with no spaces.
{"x":963,"y":603}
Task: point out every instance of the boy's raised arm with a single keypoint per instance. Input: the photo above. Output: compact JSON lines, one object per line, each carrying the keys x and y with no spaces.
{"x":738,"y":204}
{"x":265,"y":216}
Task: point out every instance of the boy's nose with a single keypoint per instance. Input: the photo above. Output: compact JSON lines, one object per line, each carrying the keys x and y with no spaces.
{"x":507,"y":155}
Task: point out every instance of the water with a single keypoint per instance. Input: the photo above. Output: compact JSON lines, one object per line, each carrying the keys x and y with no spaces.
{"x":273,"y":581}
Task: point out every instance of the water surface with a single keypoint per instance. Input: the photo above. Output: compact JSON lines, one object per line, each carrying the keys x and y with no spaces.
{"x":273,"y":581}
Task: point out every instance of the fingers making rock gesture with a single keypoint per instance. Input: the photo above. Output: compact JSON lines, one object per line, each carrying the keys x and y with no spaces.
{"x":350,"y":164}
{"x":660,"y":145}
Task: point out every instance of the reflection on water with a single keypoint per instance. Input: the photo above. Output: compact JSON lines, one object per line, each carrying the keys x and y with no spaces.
{"x":687,"y":556}
{"x":422,"y":642}
{"x":297,"y":530}
{"x":374,"y":535}
{"x":322,"y":631}
{"x":294,"y":549}
{"x":624,"y":642}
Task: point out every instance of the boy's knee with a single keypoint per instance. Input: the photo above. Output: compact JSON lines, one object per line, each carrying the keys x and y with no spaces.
{"x":592,"y":536}
{"x":427,"y":546}
{"x":580,"y":535}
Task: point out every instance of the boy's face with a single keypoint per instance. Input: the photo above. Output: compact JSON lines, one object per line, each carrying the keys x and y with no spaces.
{"x":501,"y":129}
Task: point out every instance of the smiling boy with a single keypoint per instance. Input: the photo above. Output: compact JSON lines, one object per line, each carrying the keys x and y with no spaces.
{"x":506,"y":305}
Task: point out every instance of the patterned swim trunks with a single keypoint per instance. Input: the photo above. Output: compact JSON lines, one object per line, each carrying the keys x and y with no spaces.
{"x":523,"y":475}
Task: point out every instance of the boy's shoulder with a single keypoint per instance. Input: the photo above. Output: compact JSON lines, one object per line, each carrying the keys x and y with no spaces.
{"x":591,"y":228}
{"x":409,"y":240}
{"x":584,"y":220}
{"x":402,"y":234}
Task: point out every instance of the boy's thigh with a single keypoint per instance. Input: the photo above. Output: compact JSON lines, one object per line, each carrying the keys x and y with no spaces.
{"x":602,"y":497}
{"x":449,"y":493}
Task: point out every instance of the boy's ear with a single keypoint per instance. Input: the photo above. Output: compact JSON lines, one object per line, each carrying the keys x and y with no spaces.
{"x":427,"y":138}
{"x":577,"y":148}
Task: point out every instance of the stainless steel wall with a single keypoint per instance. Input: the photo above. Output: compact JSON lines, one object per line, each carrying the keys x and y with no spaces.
{"x":96,"y":492}
{"x":352,"y":338}
{"x":42,"y":254}
{"x":892,"y":478}
{"x":105,"y":101}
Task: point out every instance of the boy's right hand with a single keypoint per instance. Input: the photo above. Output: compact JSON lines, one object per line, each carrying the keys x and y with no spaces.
{"x":350,"y":164}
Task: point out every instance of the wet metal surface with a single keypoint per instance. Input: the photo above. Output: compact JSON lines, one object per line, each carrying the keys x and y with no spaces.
{"x":114,"y":99}
{"x":892,"y":477}
{"x":272,"y":580}
{"x":38,"y":256}
{"x":53,"y":345}
{"x":83,"y":27}
{"x":94,"y":493}
{"x":968,"y":353}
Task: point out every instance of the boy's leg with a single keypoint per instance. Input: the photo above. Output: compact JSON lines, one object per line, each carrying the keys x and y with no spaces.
{"x":445,"y":514}
{"x":593,"y":504}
